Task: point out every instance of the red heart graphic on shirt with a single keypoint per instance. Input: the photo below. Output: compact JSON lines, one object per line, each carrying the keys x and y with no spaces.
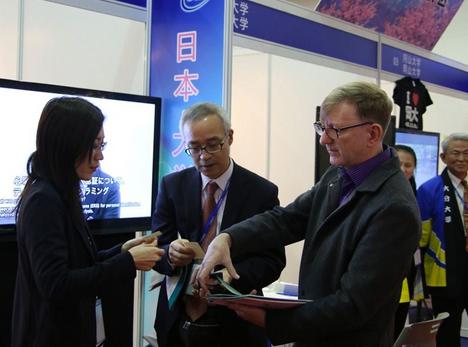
{"x":415,"y":97}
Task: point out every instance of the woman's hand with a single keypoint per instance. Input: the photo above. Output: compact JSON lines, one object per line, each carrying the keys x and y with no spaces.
{"x":145,"y":255}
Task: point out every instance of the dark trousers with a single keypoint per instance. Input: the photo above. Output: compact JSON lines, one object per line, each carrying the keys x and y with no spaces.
{"x":215,"y":329}
{"x":449,"y":331}
{"x":203,"y":332}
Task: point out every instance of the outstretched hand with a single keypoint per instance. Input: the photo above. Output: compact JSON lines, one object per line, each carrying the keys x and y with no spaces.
{"x":137,"y":241}
{"x":145,"y":255}
{"x":180,"y":254}
{"x":218,"y":253}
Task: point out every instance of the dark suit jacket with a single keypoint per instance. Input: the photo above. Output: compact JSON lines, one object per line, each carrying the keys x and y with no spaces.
{"x":60,"y":273}
{"x":178,"y":209}
{"x":354,"y":259}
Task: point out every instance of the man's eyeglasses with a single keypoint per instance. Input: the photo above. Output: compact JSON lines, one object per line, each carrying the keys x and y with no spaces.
{"x":210,"y":148}
{"x":99,"y":146}
{"x":332,"y":132}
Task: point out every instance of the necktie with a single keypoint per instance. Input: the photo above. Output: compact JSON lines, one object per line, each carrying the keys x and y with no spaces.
{"x":465,"y":211}
{"x":195,"y":306}
{"x":208,"y":205}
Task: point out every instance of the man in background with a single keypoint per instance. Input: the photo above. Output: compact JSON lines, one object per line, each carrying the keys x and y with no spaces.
{"x":360,"y":224}
{"x":444,"y":213}
{"x":193,"y":205}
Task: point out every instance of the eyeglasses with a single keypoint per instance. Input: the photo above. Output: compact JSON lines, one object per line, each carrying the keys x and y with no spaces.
{"x":99,"y":146}
{"x":320,"y":129}
{"x":210,"y":148}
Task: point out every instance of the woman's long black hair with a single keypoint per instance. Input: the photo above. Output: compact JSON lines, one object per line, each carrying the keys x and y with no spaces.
{"x":66,"y":132}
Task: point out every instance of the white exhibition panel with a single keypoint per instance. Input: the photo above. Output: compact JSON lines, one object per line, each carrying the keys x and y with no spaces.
{"x":70,"y":46}
{"x":9,"y":37}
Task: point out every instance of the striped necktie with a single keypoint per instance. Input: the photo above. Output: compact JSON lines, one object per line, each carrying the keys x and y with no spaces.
{"x":208,"y":207}
{"x":195,"y":307}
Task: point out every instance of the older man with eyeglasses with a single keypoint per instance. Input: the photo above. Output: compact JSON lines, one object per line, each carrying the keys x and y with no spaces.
{"x":194,"y":205}
{"x":443,"y":201}
{"x":360,"y":224}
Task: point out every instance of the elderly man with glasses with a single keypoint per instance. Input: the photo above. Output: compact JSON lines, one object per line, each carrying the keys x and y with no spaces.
{"x":443,"y":201}
{"x":194,"y":205}
{"x":360,"y":224}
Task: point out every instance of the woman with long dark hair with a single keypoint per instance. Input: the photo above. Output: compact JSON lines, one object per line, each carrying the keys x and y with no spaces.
{"x":60,"y":272}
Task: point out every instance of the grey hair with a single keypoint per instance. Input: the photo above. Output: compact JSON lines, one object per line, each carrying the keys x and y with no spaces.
{"x":453,"y":137}
{"x":199,"y":111}
{"x":372,"y":103}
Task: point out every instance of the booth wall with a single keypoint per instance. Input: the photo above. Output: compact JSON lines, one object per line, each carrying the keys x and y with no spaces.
{"x":69,"y":46}
{"x":9,"y":36}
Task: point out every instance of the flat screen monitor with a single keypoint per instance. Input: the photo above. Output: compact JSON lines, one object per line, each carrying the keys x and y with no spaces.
{"x":120,"y":196}
{"x":426,"y":146}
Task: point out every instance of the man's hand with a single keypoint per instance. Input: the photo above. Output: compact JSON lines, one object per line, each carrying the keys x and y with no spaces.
{"x":251,"y":314}
{"x":226,"y":276}
{"x":218,"y":253}
{"x":179,"y":253}
{"x":212,"y":282}
{"x":145,"y":255}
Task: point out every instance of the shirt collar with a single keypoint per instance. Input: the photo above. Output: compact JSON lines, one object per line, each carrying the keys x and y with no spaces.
{"x":359,"y":172}
{"x":222,"y":180}
{"x":455,"y":180}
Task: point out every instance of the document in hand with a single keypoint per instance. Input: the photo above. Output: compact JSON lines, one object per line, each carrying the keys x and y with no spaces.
{"x":255,"y":300}
{"x":232,"y":295}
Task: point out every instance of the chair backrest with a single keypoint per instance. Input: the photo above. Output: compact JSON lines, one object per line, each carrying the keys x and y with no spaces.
{"x":421,"y":334}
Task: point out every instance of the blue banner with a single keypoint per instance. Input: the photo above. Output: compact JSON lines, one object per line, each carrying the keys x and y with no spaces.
{"x":255,"y":20}
{"x":404,"y":63}
{"x":187,"y":62}
{"x":186,"y":67}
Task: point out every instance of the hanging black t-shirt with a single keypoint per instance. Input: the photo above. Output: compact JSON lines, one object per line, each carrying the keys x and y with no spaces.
{"x":413,"y":98}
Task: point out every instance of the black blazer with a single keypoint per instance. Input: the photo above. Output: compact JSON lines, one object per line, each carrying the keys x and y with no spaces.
{"x":60,"y":273}
{"x":178,"y":209}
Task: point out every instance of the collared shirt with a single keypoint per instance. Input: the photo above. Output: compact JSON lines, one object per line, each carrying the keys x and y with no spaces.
{"x":222,"y":182}
{"x":355,"y":175}
{"x":457,"y":184}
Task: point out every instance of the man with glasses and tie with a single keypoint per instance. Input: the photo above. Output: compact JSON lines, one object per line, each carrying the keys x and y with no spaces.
{"x":443,"y":202}
{"x":193,"y":205}
{"x":360,"y":224}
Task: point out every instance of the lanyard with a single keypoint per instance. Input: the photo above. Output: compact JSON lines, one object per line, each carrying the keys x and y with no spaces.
{"x":214,"y":213}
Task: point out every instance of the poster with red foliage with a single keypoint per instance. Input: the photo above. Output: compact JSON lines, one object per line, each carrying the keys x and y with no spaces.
{"x":419,"y":22}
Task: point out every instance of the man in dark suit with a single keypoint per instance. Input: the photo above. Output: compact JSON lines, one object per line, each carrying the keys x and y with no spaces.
{"x":238,"y":195}
{"x":360,"y":224}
